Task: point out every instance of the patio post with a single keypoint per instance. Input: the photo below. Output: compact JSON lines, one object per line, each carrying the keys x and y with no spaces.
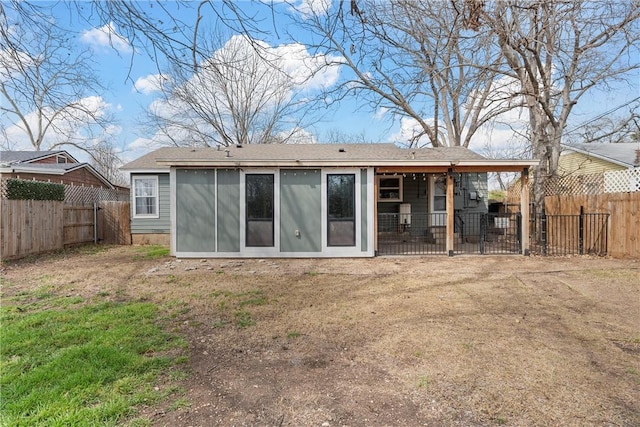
{"x":450,"y":212}
{"x":524,"y":210}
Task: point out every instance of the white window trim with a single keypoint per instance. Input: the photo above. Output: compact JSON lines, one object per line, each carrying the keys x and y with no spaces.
{"x":400,"y":190}
{"x":432,"y":193}
{"x":260,"y":251}
{"x":338,"y":251}
{"x":133,"y":196}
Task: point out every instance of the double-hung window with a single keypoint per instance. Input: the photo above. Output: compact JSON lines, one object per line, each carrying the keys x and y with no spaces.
{"x":145,"y":193}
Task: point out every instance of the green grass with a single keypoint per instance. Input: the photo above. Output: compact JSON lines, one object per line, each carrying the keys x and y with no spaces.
{"x":152,"y":252}
{"x":81,"y":366}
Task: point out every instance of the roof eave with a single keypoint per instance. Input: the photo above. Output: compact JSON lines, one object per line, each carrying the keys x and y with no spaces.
{"x":489,"y":165}
{"x":599,"y":156}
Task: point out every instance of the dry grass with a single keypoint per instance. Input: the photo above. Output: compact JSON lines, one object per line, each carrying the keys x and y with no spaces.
{"x":386,"y":341}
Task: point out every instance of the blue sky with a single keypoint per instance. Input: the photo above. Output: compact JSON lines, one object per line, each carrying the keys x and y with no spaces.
{"x":129,"y":73}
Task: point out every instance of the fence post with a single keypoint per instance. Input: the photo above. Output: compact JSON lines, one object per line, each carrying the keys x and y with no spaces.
{"x":581,"y":231}
{"x":483,"y":232}
{"x":543,"y":231}
{"x":95,"y":223}
{"x":519,"y":231}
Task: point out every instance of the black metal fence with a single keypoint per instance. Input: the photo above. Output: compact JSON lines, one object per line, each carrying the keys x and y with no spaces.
{"x":490,"y":233}
{"x":584,"y":233}
{"x":411,"y":233}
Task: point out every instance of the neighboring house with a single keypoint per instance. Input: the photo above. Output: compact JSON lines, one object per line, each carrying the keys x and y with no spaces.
{"x":586,"y":159}
{"x":50,"y":166}
{"x":596,"y":168}
{"x":83,"y":183}
{"x":315,"y":200}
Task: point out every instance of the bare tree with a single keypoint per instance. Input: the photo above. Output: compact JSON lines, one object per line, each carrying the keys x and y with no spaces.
{"x":415,"y":60}
{"x":240,"y":94}
{"x":606,"y":128}
{"x":558,"y":52}
{"x":339,"y":136}
{"x":106,"y":160}
{"x":151,"y":27}
{"x":48,"y":91}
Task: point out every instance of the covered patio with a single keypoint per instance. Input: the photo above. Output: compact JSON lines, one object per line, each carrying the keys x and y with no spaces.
{"x":443,"y":227}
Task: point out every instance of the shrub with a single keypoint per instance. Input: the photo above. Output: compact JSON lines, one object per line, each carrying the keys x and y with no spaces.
{"x":18,"y":189}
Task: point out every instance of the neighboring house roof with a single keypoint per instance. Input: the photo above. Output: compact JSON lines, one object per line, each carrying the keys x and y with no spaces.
{"x":311,"y":155}
{"x":10,"y":157}
{"x":22,"y":162}
{"x":622,"y":153}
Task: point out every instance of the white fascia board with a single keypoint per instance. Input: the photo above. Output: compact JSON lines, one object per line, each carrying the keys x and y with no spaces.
{"x":146,"y":171}
{"x":344,"y":163}
{"x":26,"y":169}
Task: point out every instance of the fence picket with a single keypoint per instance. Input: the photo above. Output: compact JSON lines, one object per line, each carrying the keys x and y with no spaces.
{"x":30,"y":227}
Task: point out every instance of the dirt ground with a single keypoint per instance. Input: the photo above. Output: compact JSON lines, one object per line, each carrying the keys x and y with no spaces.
{"x":390,"y":341}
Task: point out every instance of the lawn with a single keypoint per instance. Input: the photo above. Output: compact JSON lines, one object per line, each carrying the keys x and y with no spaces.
{"x":410,"y":341}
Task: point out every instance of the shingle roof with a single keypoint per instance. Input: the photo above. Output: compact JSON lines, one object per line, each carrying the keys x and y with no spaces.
{"x":25,"y":156}
{"x":622,"y":153}
{"x":284,"y":153}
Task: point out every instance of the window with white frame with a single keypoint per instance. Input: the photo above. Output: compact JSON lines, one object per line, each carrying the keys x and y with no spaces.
{"x":259,"y":209}
{"x":341,"y":210}
{"x":389,"y":188}
{"x":145,"y":193}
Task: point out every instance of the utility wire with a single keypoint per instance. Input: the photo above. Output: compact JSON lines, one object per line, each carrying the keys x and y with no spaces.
{"x":598,"y":117}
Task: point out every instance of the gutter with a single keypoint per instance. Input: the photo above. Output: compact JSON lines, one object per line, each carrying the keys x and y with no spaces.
{"x":456,"y":164}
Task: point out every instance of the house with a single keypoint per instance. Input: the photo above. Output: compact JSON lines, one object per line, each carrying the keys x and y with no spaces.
{"x":50,"y":166}
{"x":584,"y":159}
{"x":315,"y":200}
{"x":596,"y":168}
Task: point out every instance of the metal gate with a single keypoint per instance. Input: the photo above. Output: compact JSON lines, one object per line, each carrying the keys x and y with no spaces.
{"x":488,"y":233}
{"x":583,"y":233}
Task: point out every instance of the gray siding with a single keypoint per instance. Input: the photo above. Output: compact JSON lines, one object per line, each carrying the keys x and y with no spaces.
{"x":195,"y":210}
{"x":158,"y":225}
{"x":472,"y":182}
{"x":363,"y":210}
{"x":300,"y":209}
{"x":228,"y":210}
{"x":470,"y":208}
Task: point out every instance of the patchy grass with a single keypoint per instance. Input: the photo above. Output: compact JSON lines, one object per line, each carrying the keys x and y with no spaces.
{"x":152,"y":252}
{"x":89,"y":365}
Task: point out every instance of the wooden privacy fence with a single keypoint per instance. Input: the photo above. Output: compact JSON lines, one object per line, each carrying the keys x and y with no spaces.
{"x":32,"y":226}
{"x":623,"y":234}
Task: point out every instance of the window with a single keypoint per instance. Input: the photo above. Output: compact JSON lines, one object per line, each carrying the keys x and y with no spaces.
{"x":61,"y":159}
{"x":389,"y":188}
{"x":341,"y":210}
{"x":440,"y":193}
{"x":259,"y":211}
{"x":145,"y":191}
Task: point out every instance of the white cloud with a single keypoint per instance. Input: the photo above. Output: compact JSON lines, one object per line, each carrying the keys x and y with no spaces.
{"x":306,"y":71}
{"x":68,"y":127}
{"x":409,"y":128}
{"x":298,"y":135}
{"x":308,"y":8}
{"x":12,"y":62}
{"x":381,"y":113}
{"x":106,"y":37}
{"x":150,"y":83}
{"x":279,"y":75}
